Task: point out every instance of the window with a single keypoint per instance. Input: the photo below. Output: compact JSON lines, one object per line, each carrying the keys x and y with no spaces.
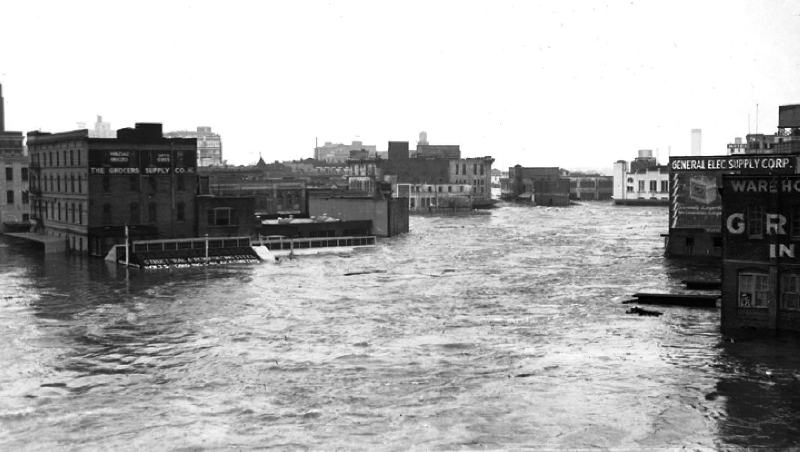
{"x":135,"y":217}
{"x":220,"y":216}
{"x":25,"y":197}
{"x":72,"y":183}
{"x":181,"y":213}
{"x":456,"y":169}
{"x":464,"y":169}
{"x":664,"y":186}
{"x":9,"y":173}
{"x":790,"y":291}
{"x":755,"y":221}
{"x":151,"y":212}
{"x":630,"y":189}
{"x":461,"y":188}
{"x":641,"y":186}
{"x":79,"y":157}
{"x":80,"y":212}
{"x":439,"y":189}
{"x":411,"y":201}
{"x":181,"y":183}
{"x":58,"y":163}
{"x":474,"y":168}
{"x":80,"y":184}
{"x":481,"y":170}
{"x":430,"y":189}
{"x":653,"y":185}
{"x":10,"y":197}
{"x":106,"y":213}
{"x":754,"y":290}
{"x":630,"y":180}
{"x":71,"y":158}
{"x":449,"y":188}
{"x":106,"y":183}
{"x":72,"y":213}
{"x":59,"y":211}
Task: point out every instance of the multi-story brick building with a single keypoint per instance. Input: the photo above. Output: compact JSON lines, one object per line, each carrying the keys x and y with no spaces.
{"x":87,"y":190}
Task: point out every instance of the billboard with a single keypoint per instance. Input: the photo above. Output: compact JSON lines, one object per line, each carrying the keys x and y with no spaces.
{"x":695,"y":201}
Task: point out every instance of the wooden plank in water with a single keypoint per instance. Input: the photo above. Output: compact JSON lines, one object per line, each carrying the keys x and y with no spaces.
{"x":689,"y":300}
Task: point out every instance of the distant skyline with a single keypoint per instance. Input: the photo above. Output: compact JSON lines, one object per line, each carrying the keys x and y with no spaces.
{"x":572,"y":84}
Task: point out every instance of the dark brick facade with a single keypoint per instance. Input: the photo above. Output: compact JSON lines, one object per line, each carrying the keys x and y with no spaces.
{"x":760,"y":253}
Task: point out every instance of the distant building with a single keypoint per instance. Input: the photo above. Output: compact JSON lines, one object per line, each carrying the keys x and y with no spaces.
{"x":737,"y":147}
{"x":102,"y":129}
{"x":543,"y":186}
{"x":389,"y":216}
{"x":87,"y":190}
{"x":429,"y":168}
{"x":476,"y":172}
{"x":785,"y":141}
{"x":14,"y":178}
{"x":591,"y":187}
{"x":423,"y":138}
{"x":209,"y":145}
{"x":697,"y":142}
{"x":431,"y":198}
{"x":273,"y":197}
{"x":442,"y":151}
{"x":645,"y":182}
{"x":340,"y":153}
{"x":760,"y":253}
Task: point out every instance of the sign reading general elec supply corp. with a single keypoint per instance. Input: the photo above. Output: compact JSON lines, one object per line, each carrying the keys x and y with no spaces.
{"x":764,"y":163}
{"x":695,"y":199}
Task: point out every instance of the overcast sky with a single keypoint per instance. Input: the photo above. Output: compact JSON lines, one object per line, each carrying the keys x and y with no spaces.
{"x":546,"y":83}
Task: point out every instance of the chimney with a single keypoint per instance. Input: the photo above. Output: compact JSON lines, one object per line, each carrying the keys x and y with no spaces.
{"x":2,"y":113}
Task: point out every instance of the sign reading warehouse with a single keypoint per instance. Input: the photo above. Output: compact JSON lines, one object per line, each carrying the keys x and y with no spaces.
{"x":695,"y":201}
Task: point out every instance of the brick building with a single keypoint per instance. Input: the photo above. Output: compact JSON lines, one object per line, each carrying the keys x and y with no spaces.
{"x":543,"y":186}
{"x":760,"y":259}
{"x":87,"y":190}
{"x":439,"y":167}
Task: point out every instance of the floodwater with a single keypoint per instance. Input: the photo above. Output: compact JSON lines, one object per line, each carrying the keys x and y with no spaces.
{"x":494,"y":331}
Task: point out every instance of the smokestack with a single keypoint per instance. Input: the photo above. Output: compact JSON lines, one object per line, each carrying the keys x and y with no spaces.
{"x":2,"y":113}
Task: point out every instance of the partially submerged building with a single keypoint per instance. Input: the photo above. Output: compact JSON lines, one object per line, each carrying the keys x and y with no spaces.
{"x":590,"y":187}
{"x":760,"y":253}
{"x":87,"y":190}
{"x":542,"y":186}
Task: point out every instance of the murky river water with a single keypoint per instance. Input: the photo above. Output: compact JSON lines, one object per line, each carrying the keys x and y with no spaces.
{"x":495,"y":331}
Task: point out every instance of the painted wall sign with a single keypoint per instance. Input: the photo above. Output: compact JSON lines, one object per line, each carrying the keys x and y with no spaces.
{"x":730,"y":163}
{"x":695,"y":199}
